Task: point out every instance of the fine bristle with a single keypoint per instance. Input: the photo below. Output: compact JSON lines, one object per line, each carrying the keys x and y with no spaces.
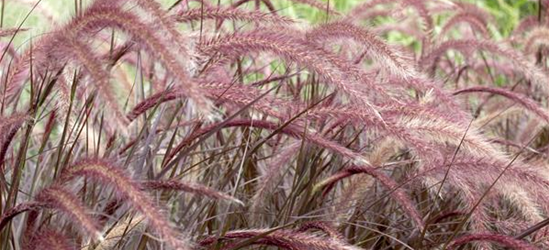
{"x":287,"y":124}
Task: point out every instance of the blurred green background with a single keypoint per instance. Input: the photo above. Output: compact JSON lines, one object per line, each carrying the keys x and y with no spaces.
{"x":507,"y":13}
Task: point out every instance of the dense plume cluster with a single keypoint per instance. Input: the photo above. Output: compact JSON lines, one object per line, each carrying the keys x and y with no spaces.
{"x":228,"y":125}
